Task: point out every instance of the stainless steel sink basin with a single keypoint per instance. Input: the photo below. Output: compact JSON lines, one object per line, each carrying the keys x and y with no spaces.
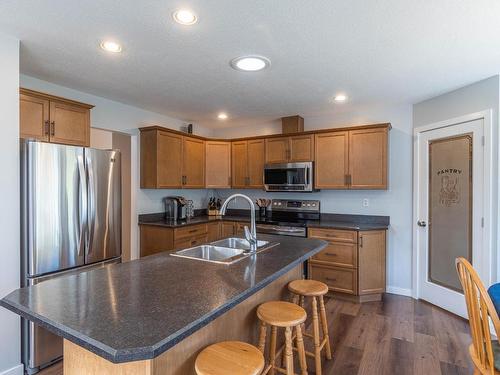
{"x":212,"y":253}
{"x":239,"y":243}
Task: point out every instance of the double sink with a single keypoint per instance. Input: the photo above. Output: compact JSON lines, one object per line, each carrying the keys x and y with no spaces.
{"x":226,"y":251}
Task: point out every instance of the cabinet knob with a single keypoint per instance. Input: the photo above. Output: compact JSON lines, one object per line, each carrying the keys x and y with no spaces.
{"x":53,"y":128}
{"x":46,"y":127}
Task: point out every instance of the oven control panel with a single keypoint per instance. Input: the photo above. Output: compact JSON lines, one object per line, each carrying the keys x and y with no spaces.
{"x":295,"y":205}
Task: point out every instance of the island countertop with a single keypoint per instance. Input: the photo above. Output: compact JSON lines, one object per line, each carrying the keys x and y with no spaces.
{"x":139,"y":309}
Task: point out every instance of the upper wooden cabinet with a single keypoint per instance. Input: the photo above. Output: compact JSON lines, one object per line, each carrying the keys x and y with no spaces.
{"x":347,"y":158}
{"x":332,"y":160}
{"x":53,"y":119}
{"x":218,"y":164}
{"x":368,"y":158}
{"x":171,"y":160}
{"x":193,"y":167}
{"x":248,"y":163}
{"x":290,"y":149}
{"x":352,"y":159}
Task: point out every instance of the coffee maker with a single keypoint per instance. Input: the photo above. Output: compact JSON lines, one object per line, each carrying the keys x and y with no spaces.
{"x":175,"y":208}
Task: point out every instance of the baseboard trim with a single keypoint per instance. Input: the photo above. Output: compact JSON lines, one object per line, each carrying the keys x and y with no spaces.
{"x":400,"y":291}
{"x":16,"y":370}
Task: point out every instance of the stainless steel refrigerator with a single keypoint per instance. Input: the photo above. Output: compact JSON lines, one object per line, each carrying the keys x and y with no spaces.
{"x":71,"y":222}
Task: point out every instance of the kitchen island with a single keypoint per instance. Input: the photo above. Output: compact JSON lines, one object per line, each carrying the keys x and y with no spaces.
{"x":154,"y":315}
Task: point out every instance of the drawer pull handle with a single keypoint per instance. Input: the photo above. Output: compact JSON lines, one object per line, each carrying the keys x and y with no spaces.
{"x":331,"y":254}
{"x":193,"y":230}
{"x":330,"y":279}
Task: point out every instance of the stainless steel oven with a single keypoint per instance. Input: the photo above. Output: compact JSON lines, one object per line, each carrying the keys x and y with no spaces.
{"x":289,"y":177}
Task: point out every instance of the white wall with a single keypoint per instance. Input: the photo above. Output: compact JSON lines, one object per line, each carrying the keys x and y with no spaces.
{"x":10,"y":336}
{"x":479,"y":96}
{"x":112,"y":115}
{"x":395,"y":202}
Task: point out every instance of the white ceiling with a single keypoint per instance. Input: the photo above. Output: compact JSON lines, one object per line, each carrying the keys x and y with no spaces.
{"x":378,"y":52}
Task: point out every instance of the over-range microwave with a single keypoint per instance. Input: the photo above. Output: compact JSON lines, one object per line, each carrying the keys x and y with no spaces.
{"x":289,"y":177}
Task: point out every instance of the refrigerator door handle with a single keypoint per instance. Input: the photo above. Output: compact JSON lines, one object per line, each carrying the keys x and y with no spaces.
{"x":82,"y":206}
{"x":91,"y":205}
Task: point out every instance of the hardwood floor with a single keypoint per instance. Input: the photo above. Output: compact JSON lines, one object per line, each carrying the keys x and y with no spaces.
{"x":395,"y":336}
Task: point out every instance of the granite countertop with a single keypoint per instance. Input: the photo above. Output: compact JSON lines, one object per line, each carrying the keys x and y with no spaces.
{"x":139,"y":309}
{"x":332,"y":221}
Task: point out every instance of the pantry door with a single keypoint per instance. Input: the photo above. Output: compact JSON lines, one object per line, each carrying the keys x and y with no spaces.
{"x":451,"y":197}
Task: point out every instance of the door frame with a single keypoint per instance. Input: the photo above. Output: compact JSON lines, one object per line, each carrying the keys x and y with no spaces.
{"x":487,"y":269}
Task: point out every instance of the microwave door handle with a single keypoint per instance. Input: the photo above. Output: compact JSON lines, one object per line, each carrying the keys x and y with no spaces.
{"x":307,"y":175}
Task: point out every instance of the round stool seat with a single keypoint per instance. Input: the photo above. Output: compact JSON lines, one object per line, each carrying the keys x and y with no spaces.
{"x":281,"y":314}
{"x":229,"y":358}
{"x":308,"y":288}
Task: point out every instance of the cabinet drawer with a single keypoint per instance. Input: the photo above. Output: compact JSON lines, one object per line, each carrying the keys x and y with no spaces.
{"x":338,"y":279}
{"x":191,"y":231}
{"x":334,"y":234}
{"x":191,"y":242}
{"x":339,"y":254}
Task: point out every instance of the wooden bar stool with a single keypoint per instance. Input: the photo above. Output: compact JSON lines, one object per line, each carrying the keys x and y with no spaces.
{"x":229,"y":358}
{"x":279,"y":314}
{"x":316,"y":290}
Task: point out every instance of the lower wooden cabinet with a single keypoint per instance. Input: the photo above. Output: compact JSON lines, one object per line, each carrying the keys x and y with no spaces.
{"x":353,"y":264}
{"x":185,"y":243}
{"x":157,"y":239}
{"x":214,"y":231}
{"x":240,"y":228}
{"x":227,"y":229}
{"x":338,"y":279}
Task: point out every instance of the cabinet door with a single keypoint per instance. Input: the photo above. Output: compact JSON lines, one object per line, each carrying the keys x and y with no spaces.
{"x":193,"y":163}
{"x":239,"y":164}
{"x":331,"y":166}
{"x":155,"y":239}
{"x":239,"y":228}
{"x":256,"y":163}
{"x":371,"y":262}
{"x":169,"y":160}
{"x":69,"y":124}
{"x":218,"y":164}
{"x":227,"y":229}
{"x":33,"y":117}
{"x":302,"y":148}
{"x":213,"y":231}
{"x":277,"y":150}
{"x":368,"y":158}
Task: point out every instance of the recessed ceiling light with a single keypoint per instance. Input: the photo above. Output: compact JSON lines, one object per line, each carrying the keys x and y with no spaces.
{"x":110,"y":46}
{"x":184,"y":17}
{"x":250,"y":63}
{"x":222,"y":116}
{"x":340,"y":98}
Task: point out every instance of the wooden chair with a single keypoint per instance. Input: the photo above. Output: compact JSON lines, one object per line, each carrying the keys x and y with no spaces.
{"x":484,"y":352}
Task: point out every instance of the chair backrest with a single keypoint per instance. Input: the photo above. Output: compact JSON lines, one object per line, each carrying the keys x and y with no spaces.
{"x":480,"y":310}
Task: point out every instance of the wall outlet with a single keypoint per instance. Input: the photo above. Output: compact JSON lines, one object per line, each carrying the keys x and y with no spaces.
{"x":366,"y":202}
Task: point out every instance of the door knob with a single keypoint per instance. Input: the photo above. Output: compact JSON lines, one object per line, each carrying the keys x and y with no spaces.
{"x":421,"y":223}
